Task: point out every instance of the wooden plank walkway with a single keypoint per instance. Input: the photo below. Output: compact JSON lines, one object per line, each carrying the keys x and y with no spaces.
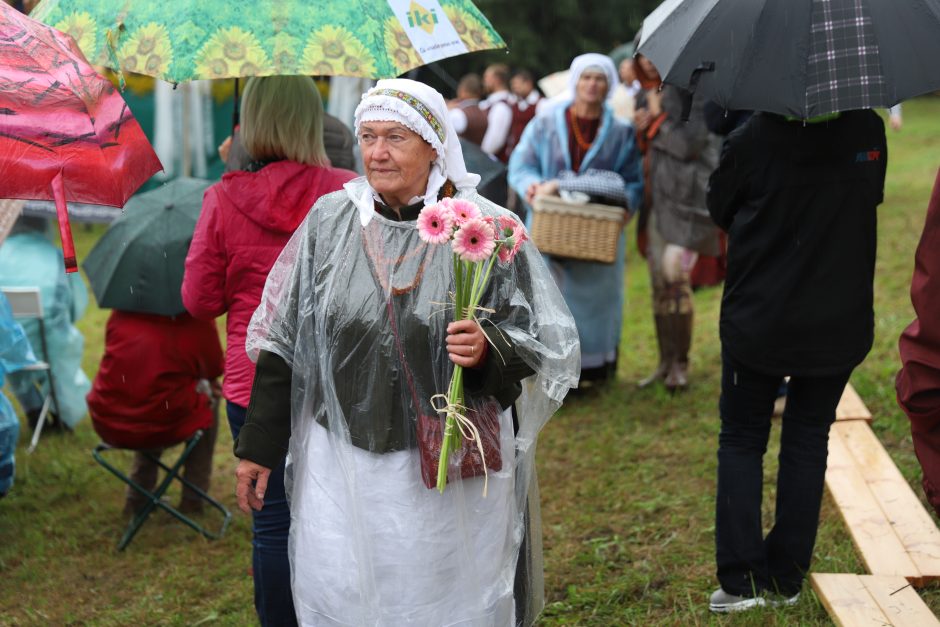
{"x":867,"y":600}
{"x":851,"y":406}
{"x":897,"y":539}
{"x":890,"y":527}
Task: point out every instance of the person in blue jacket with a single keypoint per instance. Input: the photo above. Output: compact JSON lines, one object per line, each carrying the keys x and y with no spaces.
{"x":28,"y":258}
{"x":579,"y":141}
{"x":15,"y":354}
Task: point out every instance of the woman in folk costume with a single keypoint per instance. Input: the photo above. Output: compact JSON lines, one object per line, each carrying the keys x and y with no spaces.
{"x":352,"y":340}
{"x":674,"y":227}
{"x":579,"y":145}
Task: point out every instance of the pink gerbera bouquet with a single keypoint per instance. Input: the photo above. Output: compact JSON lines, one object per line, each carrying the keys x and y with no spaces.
{"x":477,"y":242}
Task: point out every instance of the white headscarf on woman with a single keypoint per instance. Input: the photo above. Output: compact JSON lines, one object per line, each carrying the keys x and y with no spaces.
{"x":423,"y":110}
{"x":597,"y":63}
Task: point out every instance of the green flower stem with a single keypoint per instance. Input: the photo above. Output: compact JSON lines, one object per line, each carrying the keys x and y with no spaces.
{"x":470,"y":281}
{"x":451,"y":439}
{"x":477,"y":295}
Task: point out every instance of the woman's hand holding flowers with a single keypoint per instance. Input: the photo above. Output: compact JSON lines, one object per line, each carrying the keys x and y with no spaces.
{"x":477,"y":242}
{"x":466,"y":344}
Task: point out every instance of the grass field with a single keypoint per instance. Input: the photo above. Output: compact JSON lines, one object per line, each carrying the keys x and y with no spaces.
{"x":627,"y":479}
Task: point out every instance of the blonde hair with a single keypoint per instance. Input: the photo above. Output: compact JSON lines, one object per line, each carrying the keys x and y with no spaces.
{"x":282,"y":118}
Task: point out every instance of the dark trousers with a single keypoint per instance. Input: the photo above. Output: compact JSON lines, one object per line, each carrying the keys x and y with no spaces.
{"x":748,"y":562}
{"x":270,"y":528}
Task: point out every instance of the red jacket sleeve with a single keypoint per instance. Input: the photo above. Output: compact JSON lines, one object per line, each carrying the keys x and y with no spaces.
{"x":203,"y":288}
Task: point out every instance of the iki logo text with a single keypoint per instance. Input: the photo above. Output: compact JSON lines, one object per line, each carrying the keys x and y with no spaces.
{"x":419,"y":17}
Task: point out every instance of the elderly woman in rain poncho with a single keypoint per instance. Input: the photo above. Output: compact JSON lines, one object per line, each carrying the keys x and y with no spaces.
{"x":352,"y":340}
{"x":578,"y":145}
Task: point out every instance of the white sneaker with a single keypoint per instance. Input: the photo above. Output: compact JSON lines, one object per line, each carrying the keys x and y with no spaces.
{"x":723,"y":602}
{"x":779,"y":600}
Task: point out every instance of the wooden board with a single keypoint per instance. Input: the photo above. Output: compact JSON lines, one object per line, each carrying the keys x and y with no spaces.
{"x":911,"y":522}
{"x":901,"y":604}
{"x":847,"y":600}
{"x":871,"y":600}
{"x":851,"y":406}
{"x":874,"y":537}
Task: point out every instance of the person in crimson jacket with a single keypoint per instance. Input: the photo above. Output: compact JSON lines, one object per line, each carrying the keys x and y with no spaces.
{"x":153,"y":390}
{"x":918,"y":382}
{"x":798,"y":200}
{"x":246,"y":220}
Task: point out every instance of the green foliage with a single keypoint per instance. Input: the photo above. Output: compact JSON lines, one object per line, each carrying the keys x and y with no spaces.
{"x":544,"y":36}
{"x":627,"y":479}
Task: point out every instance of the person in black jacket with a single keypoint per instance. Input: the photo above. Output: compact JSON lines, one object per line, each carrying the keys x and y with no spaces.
{"x":797,"y":199}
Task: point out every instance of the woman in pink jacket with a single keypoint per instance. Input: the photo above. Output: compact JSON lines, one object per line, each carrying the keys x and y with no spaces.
{"x":246,"y":220}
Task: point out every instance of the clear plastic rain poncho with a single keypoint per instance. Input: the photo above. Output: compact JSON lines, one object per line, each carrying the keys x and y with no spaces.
{"x":360,"y":313}
{"x":15,"y":354}
{"x":29,"y":259}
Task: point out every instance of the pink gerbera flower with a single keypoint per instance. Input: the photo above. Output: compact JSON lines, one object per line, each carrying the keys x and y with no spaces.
{"x":464,"y":210}
{"x":507,"y":224}
{"x":435,"y":224}
{"x":474,"y":240}
{"x":512,"y":241}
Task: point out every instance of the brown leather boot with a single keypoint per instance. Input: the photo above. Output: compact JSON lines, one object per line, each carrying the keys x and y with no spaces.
{"x":664,"y":338}
{"x":681,"y":327}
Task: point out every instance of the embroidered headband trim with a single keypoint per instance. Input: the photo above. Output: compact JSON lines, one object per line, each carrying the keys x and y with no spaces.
{"x":417,"y":105}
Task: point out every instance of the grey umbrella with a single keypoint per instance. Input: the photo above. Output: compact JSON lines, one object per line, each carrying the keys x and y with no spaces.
{"x":802,"y":58}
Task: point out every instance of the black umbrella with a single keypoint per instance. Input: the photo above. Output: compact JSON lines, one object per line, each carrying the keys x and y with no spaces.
{"x":802,"y":58}
{"x":137,"y":265}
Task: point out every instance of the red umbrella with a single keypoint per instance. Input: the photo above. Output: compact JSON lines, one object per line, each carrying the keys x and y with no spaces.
{"x":65,"y":131}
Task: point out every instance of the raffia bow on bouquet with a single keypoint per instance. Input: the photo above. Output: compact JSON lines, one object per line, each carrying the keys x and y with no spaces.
{"x":478,"y":243}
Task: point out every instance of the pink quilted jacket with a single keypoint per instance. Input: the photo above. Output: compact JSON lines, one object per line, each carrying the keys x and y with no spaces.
{"x":246,"y":220}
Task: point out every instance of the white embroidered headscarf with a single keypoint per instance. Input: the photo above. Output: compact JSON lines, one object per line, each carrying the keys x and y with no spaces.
{"x":423,"y":110}
{"x":596,"y":62}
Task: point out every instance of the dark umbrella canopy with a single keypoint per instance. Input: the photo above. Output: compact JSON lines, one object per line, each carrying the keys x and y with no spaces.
{"x":137,"y":265}
{"x":802,"y":58}
{"x":493,"y":185}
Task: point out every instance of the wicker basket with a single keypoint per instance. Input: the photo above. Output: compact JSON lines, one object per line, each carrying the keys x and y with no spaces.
{"x":589,"y":232}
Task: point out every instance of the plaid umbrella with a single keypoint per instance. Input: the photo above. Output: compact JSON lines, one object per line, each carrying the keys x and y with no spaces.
{"x":802,"y":58}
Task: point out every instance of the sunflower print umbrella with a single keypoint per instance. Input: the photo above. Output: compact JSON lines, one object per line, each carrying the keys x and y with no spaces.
{"x":178,"y":40}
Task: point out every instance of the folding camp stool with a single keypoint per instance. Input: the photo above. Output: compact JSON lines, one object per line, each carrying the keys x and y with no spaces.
{"x":26,"y":302}
{"x":155,"y":500}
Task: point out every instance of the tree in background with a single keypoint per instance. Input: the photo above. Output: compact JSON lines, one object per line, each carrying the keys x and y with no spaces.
{"x":544,"y":35}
